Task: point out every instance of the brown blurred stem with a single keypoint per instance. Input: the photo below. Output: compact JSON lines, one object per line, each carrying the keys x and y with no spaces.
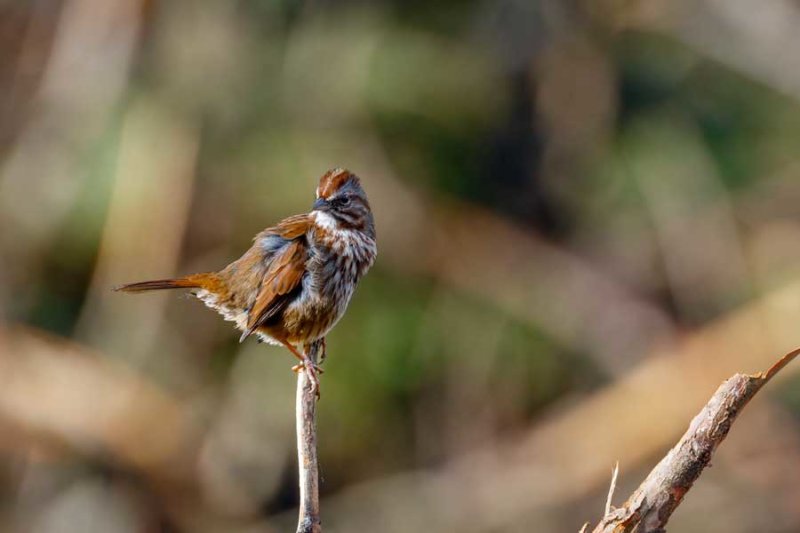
{"x":308,"y":467}
{"x":650,"y":507}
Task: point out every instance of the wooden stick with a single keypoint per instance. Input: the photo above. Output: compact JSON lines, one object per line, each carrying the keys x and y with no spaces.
{"x":650,"y":507}
{"x":307,"y":464}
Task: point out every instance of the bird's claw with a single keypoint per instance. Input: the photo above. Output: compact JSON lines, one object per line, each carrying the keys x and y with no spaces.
{"x":312,"y":370}
{"x":299,"y":367}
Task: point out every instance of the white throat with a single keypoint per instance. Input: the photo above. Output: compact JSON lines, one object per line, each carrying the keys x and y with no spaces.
{"x":326,"y":221}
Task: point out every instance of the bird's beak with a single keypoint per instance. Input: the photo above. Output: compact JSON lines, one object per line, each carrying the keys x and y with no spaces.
{"x":320,"y":205}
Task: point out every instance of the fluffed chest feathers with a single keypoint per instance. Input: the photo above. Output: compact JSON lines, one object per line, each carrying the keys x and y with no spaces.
{"x":337,"y":261}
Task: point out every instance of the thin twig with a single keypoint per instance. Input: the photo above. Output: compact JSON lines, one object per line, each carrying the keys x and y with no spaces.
{"x":612,"y":488}
{"x":308,"y":467}
{"x":650,"y":507}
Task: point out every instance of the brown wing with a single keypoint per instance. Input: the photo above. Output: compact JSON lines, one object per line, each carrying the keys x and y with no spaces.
{"x":291,"y":227}
{"x":284,"y":274}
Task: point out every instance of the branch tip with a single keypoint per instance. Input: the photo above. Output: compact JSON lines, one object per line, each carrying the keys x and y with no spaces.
{"x":777,"y":367}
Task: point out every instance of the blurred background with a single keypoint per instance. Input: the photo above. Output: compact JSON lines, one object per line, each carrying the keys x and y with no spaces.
{"x":587,"y":214}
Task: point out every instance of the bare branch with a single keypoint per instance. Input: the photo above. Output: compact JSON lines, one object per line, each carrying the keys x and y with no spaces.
{"x":650,"y":507}
{"x":308,"y":467}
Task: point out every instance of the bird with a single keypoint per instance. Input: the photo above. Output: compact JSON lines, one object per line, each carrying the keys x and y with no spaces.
{"x":294,"y":283}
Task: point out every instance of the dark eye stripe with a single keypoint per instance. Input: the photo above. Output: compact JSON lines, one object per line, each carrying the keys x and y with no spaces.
{"x":350,"y":217}
{"x":341,"y":214}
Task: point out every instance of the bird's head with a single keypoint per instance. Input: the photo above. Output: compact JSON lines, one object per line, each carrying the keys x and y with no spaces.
{"x":342,"y":202}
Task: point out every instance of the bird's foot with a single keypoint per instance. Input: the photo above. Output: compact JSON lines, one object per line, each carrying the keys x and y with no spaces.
{"x":299,"y":367}
{"x":313,"y":371}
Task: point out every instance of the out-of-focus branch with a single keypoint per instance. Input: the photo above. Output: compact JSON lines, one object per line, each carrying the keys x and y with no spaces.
{"x":85,"y":75}
{"x":152,"y":243}
{"x":651,"y":506}
{"x":60,"y":400}
{"x":309,"y":518}
{"x":50,"y":389}
{"x":762,"y":48}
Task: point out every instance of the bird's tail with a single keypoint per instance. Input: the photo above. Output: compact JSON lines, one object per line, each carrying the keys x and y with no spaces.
{"x":195,"y":281}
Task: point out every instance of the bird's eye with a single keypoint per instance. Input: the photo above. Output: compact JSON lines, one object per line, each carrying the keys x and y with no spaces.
{"x":344,"y":200}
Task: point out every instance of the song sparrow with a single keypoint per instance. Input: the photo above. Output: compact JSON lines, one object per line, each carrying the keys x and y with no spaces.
{"x":295,"y":282}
